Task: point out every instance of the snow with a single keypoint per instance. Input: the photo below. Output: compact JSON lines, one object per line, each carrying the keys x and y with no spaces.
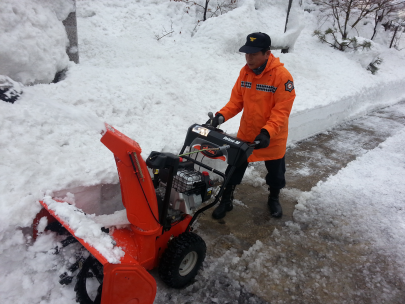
{"x":152,"y":91}
{"x":86,"y":228}
{"x":380,"y":172}
{"x":33,"y":39}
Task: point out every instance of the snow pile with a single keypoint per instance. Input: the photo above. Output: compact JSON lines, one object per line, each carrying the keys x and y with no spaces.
{"x":33,"y":39}
{"x":45,"y":131}
{"x":29,"y":271}
{"x":86,"y":228}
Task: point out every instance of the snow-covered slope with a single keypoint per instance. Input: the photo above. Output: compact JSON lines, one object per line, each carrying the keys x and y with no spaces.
{"x":151,"y":90}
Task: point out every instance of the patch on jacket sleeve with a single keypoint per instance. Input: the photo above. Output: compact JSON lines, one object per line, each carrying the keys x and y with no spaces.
{"x":289,"y":86}
{"x":246,"y":84}
{"x":265,"y":88}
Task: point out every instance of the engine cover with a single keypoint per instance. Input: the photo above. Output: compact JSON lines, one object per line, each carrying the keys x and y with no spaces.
{"x":185,"y":203}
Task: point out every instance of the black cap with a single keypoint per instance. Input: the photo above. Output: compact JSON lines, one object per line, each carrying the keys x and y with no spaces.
{"x":255,"y":42}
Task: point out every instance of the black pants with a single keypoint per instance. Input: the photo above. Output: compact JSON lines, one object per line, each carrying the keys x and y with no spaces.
{"x":275,"y":177}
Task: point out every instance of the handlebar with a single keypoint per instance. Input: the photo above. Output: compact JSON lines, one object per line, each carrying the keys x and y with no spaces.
{"x":220,"y":121}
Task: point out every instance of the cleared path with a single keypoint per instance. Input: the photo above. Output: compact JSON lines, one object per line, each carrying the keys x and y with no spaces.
{"x":349,"y":265}
{"x":308,"y":162}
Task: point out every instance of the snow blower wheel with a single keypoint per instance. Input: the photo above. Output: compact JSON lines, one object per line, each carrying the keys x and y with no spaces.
{"x":182,"y":259}
{"x":92,"y":268}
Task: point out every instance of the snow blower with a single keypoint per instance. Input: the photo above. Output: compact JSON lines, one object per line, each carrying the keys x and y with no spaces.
{"x":161,"y":207}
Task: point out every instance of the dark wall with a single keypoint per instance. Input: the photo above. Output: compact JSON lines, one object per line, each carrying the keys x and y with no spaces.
{"x":70,"y":24}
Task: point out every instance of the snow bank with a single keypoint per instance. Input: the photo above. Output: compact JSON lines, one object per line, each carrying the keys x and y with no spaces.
{"x":321,"y":118}
{"x":33,"y":39}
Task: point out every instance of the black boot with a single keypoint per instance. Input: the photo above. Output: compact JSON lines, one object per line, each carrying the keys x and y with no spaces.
{"x":274,"y":204}
{"x":225,"y":204}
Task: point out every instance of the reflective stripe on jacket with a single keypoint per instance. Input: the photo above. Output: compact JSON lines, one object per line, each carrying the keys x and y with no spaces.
{"x":266,"y":100}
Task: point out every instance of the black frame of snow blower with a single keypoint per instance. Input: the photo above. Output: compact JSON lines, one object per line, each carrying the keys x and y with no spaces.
{"x":238,"y":152}
{"x":168,"y":163}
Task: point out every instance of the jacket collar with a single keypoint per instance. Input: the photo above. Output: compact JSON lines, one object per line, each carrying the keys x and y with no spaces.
{"x":272,"y":62}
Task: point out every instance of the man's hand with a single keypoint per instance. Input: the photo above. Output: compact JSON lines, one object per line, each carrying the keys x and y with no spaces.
{"x":263,"y":138}
{"x":215,"y":122}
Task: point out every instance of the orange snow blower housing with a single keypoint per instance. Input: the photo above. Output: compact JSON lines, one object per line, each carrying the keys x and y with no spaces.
{"x":160,"y":214}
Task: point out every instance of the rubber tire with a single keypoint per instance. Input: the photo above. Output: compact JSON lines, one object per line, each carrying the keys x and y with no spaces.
{"x":91,"y":267}
{"x":178,"y":248}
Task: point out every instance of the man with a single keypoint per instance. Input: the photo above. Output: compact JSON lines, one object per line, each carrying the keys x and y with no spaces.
{"x":265,"y":92}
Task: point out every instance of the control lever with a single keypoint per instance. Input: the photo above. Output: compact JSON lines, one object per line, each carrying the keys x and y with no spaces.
{"x":220,"y":119}
{"x":211,"y":116}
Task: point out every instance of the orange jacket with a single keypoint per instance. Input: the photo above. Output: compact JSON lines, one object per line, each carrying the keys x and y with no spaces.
{"x":266,"y":100}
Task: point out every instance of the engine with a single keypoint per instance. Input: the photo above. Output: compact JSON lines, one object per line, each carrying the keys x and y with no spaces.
{"x":189,"y":190}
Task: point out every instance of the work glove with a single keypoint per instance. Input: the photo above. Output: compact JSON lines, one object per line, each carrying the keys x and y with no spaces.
{"x":263,"y":138}
{"x":215,"y":121}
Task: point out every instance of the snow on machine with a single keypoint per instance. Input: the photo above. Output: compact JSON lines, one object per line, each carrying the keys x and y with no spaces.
{"x":160,"y":206}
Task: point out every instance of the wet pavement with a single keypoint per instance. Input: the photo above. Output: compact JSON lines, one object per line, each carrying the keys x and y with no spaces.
{"x":308,"y":162}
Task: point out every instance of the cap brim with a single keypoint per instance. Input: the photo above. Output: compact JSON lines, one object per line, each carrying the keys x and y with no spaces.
{"x":249,"y":49}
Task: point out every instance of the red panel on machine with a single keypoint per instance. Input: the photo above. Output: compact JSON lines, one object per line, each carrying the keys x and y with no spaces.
{"x":127,"y":284}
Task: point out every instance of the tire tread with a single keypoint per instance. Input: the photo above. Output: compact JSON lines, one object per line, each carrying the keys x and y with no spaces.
{"x":173,"y":255}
